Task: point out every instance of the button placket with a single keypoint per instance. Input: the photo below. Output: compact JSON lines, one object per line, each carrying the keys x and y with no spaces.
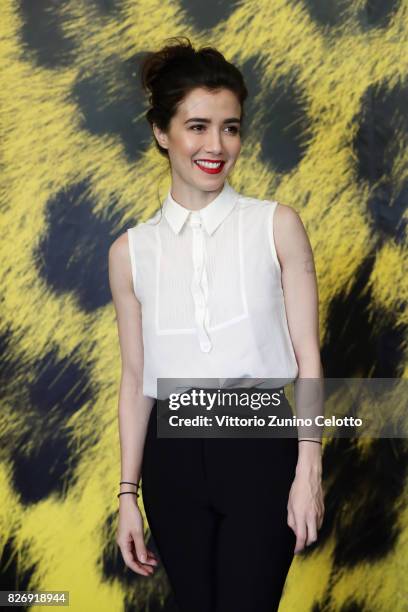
{"x":199,"y":283}
{"x":205,"y":291}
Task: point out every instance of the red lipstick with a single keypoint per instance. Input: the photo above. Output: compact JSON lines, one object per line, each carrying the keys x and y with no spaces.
{"x":210,"y":166}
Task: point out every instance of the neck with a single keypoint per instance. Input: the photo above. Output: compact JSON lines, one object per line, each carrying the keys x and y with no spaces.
{"x":191,"y":196}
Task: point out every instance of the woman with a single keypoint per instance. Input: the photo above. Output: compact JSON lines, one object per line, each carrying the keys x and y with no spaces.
{"x":214,"y":284}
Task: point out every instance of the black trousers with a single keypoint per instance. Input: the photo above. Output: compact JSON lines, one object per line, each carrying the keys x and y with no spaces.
{"x":217,"y":511}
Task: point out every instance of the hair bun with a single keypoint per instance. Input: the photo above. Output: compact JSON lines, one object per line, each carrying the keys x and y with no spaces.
{"x":156,"y":62}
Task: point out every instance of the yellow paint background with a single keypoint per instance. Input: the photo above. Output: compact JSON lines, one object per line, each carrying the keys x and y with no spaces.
{"x":43,"y":150}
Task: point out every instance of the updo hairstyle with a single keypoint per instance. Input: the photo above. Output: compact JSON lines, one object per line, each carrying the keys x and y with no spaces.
{"x":169,"y":74}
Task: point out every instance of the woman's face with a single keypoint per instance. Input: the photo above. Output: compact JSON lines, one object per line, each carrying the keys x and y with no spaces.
{"x":205,"y":129}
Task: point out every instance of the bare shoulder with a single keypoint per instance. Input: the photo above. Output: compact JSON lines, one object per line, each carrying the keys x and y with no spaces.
{"x":119,"y":261}
{"x":119,"y":248}
{"x":286,"y":216}
{"x":290,"y":235}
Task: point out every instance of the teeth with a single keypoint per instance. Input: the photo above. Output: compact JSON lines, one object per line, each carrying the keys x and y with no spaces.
{"x":208,"y":164}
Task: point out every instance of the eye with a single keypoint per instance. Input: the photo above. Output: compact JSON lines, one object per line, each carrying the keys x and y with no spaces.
{"x":234,"y":128}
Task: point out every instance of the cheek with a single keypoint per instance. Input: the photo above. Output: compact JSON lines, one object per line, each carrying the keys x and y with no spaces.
{"x":190,"y":147}
{"x":186,"y":145}
{"x":235,"y":147}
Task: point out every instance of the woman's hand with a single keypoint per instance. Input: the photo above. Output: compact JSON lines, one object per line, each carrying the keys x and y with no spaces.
{"x":130,"y":538}
{"x":305,"y":504}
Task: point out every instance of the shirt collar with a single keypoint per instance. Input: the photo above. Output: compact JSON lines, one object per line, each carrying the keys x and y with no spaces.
{"x":212,"y":214}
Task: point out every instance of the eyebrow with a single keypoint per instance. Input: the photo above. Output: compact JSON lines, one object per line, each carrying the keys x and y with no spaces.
{"x":203,"y":120}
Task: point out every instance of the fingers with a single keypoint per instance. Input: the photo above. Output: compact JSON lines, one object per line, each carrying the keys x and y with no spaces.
{"x":300,"y":533}
{"x":144,"y":555}
{"x":130,"y":559}
{"x":305,"y":529}
{"x":320,"y":510}
{"x":136,"y":556}
{"x":141,"y":551}
{"x":311,"y":530}
{"x":320,"y":519}
{"x":151,"y":558}
{"x":291,"y":520}
{"x":301,"y":536}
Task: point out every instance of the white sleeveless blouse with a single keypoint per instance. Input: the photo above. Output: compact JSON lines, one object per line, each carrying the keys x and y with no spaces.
{"x":209,"y":284}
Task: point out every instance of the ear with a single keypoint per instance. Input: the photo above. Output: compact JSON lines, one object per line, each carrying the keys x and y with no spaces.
{"x":160,"y":136}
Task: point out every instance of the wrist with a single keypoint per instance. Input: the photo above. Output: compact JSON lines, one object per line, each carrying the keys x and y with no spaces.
{"x":309,"y":448}
{"x":309,"y":458}
{"x":128,"y":489}
{"x":126,"y":500}
{"x":309,"y":465}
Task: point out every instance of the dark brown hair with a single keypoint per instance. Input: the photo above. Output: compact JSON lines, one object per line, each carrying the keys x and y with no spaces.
{"x":169,"y":74}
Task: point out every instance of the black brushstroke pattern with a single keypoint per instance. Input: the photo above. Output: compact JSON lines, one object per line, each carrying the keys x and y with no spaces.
{"x":207,"y":15}
{"x":284,"y":126}
{"x":361,"y":498}
{"x":378,"y":13}
{"x":383,"y":127}
{"x":327,"y":14}
{"x":252,"y":73}
{"x":107,"y":7}
{"x":42,"y":33}
{"x":112,"y":104}
{"x":350,"y":605}
{"x":361,"y":338}
{"x":15,"y":575}
{"x":57,"y":389}
{"x":72,"y":255}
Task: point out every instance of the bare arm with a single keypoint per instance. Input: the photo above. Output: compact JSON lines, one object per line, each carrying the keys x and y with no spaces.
{"x":134,"y":408}
{"x":299,"y":283}
{"x":300,"y":290}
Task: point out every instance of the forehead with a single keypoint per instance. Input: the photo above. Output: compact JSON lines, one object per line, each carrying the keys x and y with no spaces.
{"x":201,"y":102}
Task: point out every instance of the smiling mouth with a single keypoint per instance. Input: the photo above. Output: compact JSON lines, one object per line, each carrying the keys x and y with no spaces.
{"x":211,"y":167}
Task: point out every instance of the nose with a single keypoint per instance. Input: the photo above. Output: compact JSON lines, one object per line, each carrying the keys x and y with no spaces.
{"x":213,"y":142}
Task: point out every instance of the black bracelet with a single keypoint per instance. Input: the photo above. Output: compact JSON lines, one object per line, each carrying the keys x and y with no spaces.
{"x":126,"y":482}
{"x":131,"y":493}
{"x":317,"y":441}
